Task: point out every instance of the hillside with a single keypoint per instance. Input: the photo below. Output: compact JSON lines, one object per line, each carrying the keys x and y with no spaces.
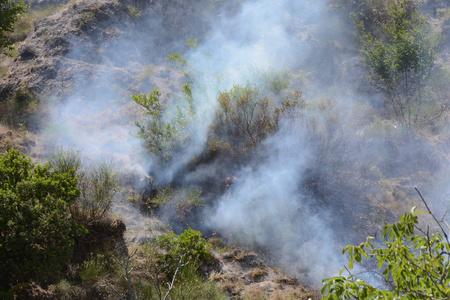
{"x":280,"y":130}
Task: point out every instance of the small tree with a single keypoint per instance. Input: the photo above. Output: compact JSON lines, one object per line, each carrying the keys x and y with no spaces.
{"x":401,"y":60}
{"x":9,"y":13}
{"x":417,"y":265}
{"x":36,"y":230}
{"x":164,"y":132}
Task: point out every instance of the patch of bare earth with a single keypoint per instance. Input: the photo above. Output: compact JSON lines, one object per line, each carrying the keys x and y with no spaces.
{"x":18,"y":139}
{"x":245,"y":276}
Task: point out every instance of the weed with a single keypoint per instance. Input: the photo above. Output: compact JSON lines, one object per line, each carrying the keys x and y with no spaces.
{"x":443,"y":13}
{"x":86,"y":18}
{"x":232,"y":287}
{"x":3,"y":71}
{"x":93,"y":270}
{"x":134,"y":12}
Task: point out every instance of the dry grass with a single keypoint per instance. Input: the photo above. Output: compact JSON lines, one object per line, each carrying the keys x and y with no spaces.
{"x":259,"y":272}
{"x":232,"y":287}
{"x":25,"y":25}
{"x":255,"y":294}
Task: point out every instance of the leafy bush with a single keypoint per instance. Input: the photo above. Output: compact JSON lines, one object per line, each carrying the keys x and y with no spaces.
{"x":401,"y":60}
{"x":187,"y":247}
{"x":37,"y":232}
{"x":416,"y":265}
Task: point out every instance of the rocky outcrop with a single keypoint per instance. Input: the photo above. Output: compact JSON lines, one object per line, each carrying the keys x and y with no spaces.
{"x":44,"y":64}
{"x":75,"y":43}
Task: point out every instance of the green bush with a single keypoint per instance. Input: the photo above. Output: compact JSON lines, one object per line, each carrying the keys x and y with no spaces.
{"x":163,"y":131}
{"x":415,"y":265}
{"x":9,"y":14}
{"x":401,"y":60}
{"x":188,"y":247}
{"x":36,"y":230}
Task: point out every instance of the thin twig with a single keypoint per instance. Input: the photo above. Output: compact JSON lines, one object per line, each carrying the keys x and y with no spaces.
{"x":431,"y":213}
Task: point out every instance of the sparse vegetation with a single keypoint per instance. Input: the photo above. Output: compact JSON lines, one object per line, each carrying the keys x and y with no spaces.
{"x":16,"y":109}
{"x":26,"y":23}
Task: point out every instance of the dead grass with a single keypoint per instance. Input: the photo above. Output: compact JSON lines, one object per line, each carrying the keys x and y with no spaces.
{"x":259,"y":272}
{"x":255,"y":294}
{"x":232,"y":287}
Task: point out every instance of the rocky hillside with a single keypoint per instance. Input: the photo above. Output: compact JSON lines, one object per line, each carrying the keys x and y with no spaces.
{"x":70,"y":46}
{"x":263,"y":128}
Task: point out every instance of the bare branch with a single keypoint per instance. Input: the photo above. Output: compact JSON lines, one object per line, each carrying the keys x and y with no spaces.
{"x":431,"y":213}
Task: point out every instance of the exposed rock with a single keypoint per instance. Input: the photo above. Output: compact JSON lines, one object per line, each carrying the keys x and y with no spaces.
{"x":78,"y":29}
{"x":68,"y":47}
{"x":27,"y":52}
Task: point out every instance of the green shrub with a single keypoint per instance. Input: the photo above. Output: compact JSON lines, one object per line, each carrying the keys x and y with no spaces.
{"x":401,"y":60}
{"x":9,"y":14}
{"x":37,"y":232}
{"x":188,"y":247}
{"x":164,"y":131}
{"x":415,"y":265}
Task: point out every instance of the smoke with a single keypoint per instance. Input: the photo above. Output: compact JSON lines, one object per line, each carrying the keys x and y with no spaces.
{"x":267,"y":205}
{"x":96,"y":125}
{"x":264,"y":207}
{"x":262,"y":37}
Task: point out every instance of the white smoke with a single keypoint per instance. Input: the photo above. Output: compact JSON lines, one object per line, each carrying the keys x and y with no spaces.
{"x":265,"y":206}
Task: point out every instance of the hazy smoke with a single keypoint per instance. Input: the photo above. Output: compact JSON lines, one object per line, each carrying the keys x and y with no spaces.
{"x":266,"y":205}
